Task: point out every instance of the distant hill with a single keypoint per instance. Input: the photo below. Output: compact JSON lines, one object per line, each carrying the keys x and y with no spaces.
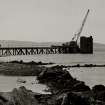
{"x":99,"y":47}
{"x":12,"y":43}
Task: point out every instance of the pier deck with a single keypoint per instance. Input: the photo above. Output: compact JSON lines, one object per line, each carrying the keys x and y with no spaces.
{"x":12,"y":51}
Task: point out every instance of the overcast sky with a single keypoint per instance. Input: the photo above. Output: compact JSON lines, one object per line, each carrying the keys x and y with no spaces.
{"x":51,"y":20}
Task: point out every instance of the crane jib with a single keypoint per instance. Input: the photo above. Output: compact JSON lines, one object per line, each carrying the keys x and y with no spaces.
{"x":76,"y":36}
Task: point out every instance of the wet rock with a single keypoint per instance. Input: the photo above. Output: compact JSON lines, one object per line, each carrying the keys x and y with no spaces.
{"x":69,"y":91}
{"x":78,"y":98}
{"x":56,"y":79}
{"x":3,"y":100}
{"x":60,"y":80}
{"x":22,"y":96}
{"x":81,"y":87}
{"x":56,"y":75}
{"x":98,"y":88}
{"x":46,"y":99}
{"x":99,"y":92}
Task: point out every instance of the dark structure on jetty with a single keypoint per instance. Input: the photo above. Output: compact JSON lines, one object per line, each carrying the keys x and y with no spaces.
{"x":86,"y":43}
{"x":85,"y":46}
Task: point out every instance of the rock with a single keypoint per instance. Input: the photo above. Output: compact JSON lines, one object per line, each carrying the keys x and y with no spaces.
{"x":81,"y":87}
{"x":78,"y":98}
{"x":69,"y":91}
{"x":22,"y":96}
{"x":99,"y":92}
{"x":60,"y":80}
{"x":3,"y":100}
{"x":55,"y":75}
{"x":57,"y":79}
{"x":98,"y":88}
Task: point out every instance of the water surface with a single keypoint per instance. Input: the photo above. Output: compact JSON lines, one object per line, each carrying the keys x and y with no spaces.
{"x":8,"y":83}
{"x":91,"y":76}
{"x":65,"y":59}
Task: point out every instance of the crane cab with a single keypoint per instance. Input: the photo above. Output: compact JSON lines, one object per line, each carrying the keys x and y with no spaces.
{"x":74,"y":48}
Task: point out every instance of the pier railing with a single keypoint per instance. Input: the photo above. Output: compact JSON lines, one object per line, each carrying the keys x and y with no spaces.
{"x":11,"y":51}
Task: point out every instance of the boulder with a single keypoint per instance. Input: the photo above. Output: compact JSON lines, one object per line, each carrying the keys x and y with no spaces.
{"x":80,"y":86}
{"x":98,"y":88}
{"x":99,"y":92}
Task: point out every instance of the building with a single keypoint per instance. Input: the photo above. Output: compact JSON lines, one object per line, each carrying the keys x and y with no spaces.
{"x":86,"y":44}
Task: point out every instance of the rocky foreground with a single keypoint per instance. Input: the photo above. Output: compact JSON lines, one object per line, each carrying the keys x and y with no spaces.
{"x":65,"y":90}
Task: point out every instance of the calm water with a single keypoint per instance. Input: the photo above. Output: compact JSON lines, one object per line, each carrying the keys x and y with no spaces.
{"x":7,"y":83}
{"x":91,"y":76}
{"x":65,"y":59}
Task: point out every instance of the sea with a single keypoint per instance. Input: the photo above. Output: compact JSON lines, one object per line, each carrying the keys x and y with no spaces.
{"x":90,"y":75}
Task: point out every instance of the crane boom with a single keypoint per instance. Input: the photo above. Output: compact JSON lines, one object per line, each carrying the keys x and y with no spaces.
{"x":81,"y":28}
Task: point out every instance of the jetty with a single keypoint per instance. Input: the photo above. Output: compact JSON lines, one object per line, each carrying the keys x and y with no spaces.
{"x":85,"y":46}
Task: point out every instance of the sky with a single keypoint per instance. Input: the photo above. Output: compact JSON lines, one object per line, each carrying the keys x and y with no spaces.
{"x":51,"y":20}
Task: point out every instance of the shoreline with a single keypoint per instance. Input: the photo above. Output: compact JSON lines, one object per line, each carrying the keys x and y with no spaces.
{"x":65,"y":90}
{"x":80,"y":66}
{"x":20,"y":68}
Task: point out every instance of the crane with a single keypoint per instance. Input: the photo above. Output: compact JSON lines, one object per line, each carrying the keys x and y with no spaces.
{"x":77,"y":35}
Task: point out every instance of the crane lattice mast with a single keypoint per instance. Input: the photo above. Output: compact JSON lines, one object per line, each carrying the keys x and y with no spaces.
{"x":81,"y":28}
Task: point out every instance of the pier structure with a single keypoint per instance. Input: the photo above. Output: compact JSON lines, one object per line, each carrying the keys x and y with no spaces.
{"x":86,"y":47}
{"x":12,"y":51}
